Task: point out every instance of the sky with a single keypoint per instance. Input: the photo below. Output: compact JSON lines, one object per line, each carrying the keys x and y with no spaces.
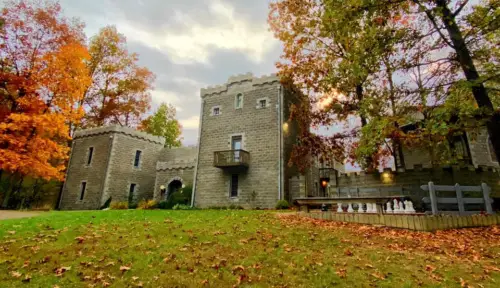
{"x":188,"y":44}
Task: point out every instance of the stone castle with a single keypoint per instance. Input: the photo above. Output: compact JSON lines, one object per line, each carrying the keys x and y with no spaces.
{"x":240,"y":157}
{"x":244,"y":143}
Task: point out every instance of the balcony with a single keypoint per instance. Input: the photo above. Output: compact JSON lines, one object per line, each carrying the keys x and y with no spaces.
{"x":231,"y":159}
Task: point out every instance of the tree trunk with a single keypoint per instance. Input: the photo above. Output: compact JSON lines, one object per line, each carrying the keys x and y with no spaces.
{"x":470,"y":71}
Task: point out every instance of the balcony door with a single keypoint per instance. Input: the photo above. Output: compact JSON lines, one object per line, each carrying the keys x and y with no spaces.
{"x":236,"y":146}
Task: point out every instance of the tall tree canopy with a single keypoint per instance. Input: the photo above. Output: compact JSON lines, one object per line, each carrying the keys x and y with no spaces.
{"x":163,"y":123}
{"x":381,"y":64}
{"x":42,"y":78}
{"x":120,"y":90}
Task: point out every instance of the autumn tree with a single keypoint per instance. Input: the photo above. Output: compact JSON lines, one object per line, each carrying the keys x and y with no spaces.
{"x":164,"y":124}
{"x":408,"y":65}
{"x":120,"y":89}
{"x":42,"y":78}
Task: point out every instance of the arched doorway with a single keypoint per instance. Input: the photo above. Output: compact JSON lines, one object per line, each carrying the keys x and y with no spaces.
{"x":174,"y":186}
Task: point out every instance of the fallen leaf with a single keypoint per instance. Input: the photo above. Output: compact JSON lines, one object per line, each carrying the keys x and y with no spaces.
{"x":135,"y":278}
{"x":60,"y":271}
{"x":204,"y":282}
{"x":430,"y":268}
{"x":463,"y":283}
{"x":16,"y":274}
{"x":378,"y":276}
{"x":27,"y":278}
{"x":238,"y":268}
{"x":342,"y":273}
{"x":12,"y":232}
{"x":348,"y":252}
{"x":79,"y":239}
{"x":124,"y":268}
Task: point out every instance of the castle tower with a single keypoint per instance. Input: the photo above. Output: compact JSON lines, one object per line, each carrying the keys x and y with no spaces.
{"x":244,"y":143}
{"x":110,"y":162}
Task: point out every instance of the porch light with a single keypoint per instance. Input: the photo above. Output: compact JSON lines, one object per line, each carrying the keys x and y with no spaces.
{"x":324,"y":183}
{"x":285,"y":128}
{"x":162,"y":187}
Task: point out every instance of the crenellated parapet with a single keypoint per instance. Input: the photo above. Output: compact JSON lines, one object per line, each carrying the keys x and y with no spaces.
{"x":172,"y":165}
{"x":118,"y":129}
{"x":239,"y":79}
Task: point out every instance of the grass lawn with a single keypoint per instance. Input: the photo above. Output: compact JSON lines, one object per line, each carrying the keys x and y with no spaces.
{"x":207,"y":248}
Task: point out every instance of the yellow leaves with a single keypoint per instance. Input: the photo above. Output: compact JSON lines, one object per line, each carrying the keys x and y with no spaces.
{"x":124,"y":269}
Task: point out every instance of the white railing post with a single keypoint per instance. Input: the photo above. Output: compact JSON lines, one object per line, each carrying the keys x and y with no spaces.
{"x":432,"y":194}
{"x":460,"y":199}
{"x":486,"y":196}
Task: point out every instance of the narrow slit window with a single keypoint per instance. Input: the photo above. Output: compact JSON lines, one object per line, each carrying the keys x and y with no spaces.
{"x":131,"y":193}
{"x":83,"y":187}
{"x":137,"y":159}
{"x":239,"y":101}
{"x":234,"y":185}
{"x":91,"y":153}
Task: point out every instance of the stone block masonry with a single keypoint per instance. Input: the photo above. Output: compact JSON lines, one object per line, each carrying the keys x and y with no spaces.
{"x":258,"y":124}
{"x":111,"y":170}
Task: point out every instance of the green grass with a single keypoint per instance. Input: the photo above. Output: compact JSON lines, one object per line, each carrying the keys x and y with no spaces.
{"x":234,"y":248}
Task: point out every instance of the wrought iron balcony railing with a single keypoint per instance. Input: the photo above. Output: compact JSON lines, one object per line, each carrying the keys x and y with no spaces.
{"x":231,"y":158}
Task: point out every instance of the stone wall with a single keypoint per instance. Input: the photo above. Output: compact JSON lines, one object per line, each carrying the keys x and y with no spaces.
{"x":165,"y":176}
{"x":122,"y":172}
{"x":93,"y":174}
{"x":112,"y":168}
{"x":413,"y":179}
{"x":480,"y":150}
{"x":258,"y":186}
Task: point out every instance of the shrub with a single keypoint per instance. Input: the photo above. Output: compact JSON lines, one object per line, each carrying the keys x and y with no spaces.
{"x":147,"y":205}
{"x":235,"y":207}
{"x":178,"y":197}
{"x":282,"y":205}
{"x":106,"y":204}
{"x":118,"y":205}
{"x":182,"y":207}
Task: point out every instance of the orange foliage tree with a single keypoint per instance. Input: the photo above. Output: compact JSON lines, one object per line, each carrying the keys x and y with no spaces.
{"x":43,"y":76}
{"x":120,"y":90}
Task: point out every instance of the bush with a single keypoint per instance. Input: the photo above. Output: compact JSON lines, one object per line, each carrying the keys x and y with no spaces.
{"x":235,"y":207}
{"x":282,"y":205}
{"x":118,"y":205}
{"x":183,"y":198}
{"x":147,"y":205}
{"x":182,"y":207}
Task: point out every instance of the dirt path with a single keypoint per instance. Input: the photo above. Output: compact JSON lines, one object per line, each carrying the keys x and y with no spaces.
{"x":17,"y":214}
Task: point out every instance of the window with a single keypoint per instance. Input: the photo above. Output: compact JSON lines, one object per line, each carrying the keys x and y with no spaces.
{"x":239,"y":101}
{"x":137,"y":160}
{"x":263,"y":103}
{"x":131,"y":193}
{"x":216,"y":111}
{"x":460,"y":149}
{"x":91,"y":153}
{"x":83,"y":187}
{"x":234,"y":185}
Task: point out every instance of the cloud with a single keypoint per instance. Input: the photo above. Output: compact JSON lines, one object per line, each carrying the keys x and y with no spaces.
{"x":190,"y":123}
{"x":195,"y":44}
{"x":188,"y":44}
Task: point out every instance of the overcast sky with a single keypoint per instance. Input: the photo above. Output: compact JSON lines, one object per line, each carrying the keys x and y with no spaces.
{"x":188,"y":44}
